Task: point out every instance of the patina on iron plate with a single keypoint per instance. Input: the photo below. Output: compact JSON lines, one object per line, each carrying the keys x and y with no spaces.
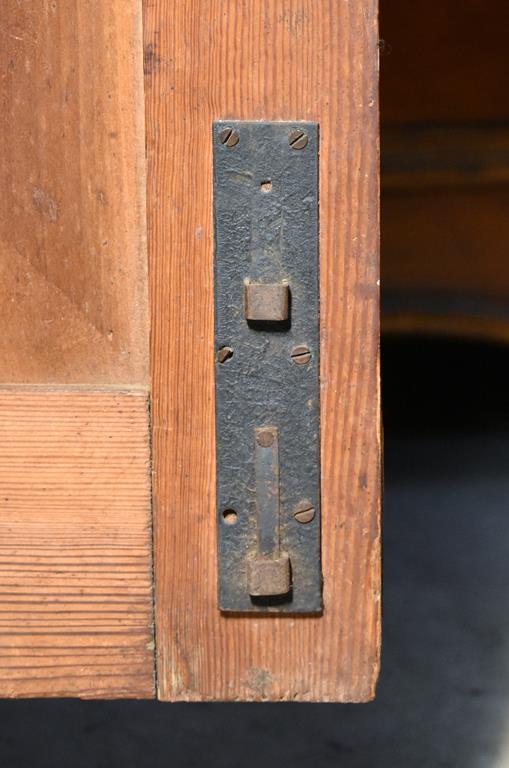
{"x":267,"y":365}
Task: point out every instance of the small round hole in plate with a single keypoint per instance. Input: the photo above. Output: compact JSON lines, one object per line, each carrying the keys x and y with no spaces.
{"x":229,"y":516}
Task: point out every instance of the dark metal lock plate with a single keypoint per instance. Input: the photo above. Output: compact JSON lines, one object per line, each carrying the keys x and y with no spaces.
{"x":267,"y":366}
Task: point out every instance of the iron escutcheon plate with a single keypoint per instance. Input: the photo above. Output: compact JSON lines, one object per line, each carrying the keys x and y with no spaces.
{"x":267,"y":370}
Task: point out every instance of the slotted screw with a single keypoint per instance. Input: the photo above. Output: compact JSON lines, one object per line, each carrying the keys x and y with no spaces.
{"x":304,"y":512}
{"x":229,"y":137}
{"x":301,"y":354}
{"x":297,"y":138}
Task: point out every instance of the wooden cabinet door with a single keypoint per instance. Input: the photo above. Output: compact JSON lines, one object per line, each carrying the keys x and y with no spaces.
{"x":75,"y":517}
{"x":98,"y":235}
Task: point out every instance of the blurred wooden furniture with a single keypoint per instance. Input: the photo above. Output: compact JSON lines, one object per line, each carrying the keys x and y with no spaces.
{"x":445,"y":168}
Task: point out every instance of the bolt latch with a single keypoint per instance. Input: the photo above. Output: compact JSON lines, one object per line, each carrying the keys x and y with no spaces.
{"x":267,"y":362}
{"x":269,"y":569}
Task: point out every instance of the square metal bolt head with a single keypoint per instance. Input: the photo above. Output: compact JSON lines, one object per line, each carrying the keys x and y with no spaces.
{"x":269,"y":577}
{"x":266,"y":301}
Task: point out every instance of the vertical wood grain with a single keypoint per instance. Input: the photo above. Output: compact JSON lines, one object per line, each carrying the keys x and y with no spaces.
{"x":76,"y":608}
{"x":73,"y":285}
{"x":75,"y":545}
{"x":263,"y":59}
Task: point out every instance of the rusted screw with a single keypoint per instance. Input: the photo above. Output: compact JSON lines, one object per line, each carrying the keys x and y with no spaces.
{"x":304,"y":512}
{"x":301,"y":354}
{"x":297,"y":138}
{"x":265,"y":438}
{"x":224,"y":354}
{"x":229,"y":137}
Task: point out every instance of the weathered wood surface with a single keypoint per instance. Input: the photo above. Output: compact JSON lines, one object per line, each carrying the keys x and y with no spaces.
{"x":72,"y":208}
{"x":75,"y":541}
{"x":263,"y":59}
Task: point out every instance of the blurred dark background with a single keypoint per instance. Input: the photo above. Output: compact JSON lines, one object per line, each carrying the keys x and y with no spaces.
{"x":443,"y":696}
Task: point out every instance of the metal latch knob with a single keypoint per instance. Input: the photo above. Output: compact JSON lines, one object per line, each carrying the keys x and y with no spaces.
{"x":267,"y":302}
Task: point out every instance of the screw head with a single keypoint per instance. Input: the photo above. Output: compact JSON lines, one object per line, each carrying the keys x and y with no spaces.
{"x":229,"y":137}
{"x":297,"y":138}
{"x":224,"y":354}
{"x":301,"y":354}
{"x":304,"y":511}
{"x":264,"y":437}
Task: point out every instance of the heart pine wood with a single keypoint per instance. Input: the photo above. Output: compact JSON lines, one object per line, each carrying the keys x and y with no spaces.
{"x":75,"y":540}
{"x":75,"y":522}
{"x":72,"y":210}
{"x":270,"y":60}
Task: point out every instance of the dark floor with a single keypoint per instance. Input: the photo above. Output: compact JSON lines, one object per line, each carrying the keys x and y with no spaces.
{"x":443,"y":698}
